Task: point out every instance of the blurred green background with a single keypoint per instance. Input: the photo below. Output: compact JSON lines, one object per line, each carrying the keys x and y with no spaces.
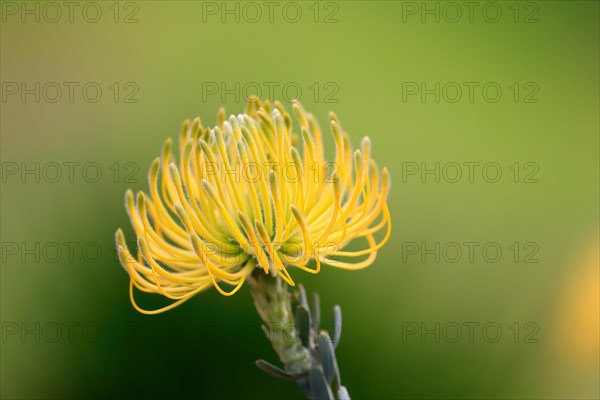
{"x":68,"y":329}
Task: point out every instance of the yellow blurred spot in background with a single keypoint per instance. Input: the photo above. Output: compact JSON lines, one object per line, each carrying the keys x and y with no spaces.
{"x":578,"y":317}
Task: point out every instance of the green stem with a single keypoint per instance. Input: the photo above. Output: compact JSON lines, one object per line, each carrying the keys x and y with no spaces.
{"x":273,"y":303}
{"x":290,"y":323}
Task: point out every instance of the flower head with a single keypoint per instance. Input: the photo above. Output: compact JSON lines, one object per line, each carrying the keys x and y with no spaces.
{"x":252,"y":193}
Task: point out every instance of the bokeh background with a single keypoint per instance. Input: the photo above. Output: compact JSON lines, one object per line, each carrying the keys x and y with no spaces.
{"x":68,"y":329}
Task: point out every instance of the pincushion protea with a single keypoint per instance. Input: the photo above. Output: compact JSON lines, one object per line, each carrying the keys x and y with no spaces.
{"x":249,"y":194}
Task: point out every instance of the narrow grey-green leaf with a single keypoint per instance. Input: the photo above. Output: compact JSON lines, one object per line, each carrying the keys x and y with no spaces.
{"x":343,"y":394}
{"x":319,"y":388}
{"x":273,"y":370}
{"x":302,"y":381}
{"x":302,"y":296}
{"x":337,"y":325}
{"x":303,"y":324}
{"x":315,"y":312}
{"x":327,"y":355}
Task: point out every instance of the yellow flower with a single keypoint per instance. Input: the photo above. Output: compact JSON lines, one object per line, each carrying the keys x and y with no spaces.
{"x":245,"y":195}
